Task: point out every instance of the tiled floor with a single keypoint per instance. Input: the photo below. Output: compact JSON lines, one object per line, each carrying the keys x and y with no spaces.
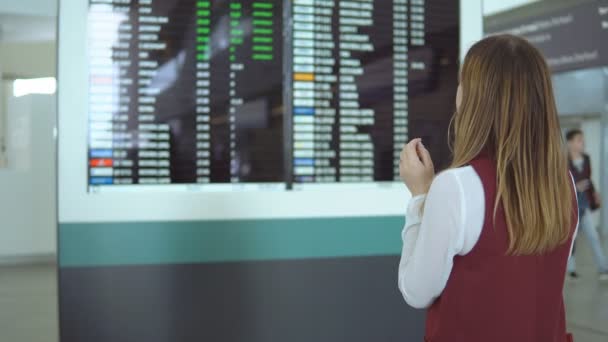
{"x":587,"y":300}
{"x":28,"y":303}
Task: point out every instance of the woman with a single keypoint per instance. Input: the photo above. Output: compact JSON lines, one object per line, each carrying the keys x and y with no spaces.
{"x":486,"y":242}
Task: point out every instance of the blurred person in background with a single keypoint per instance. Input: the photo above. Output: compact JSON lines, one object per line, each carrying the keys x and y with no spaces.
{"x":588,"y":201}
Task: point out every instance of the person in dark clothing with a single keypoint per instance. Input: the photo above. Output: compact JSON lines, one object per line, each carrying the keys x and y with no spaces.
{"x":588,"y":201}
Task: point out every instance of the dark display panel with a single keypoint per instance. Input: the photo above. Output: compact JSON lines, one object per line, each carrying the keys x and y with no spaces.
{"x":282,"y":92}
{"x":185,"y":91}
{"x":368,"y":74}
{"x":321,"y":300}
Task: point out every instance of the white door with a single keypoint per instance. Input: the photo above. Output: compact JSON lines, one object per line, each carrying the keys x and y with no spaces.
{"x":27,"y":176}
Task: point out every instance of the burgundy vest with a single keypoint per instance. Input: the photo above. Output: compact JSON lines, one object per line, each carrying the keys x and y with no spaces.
{"x":492,"y":296}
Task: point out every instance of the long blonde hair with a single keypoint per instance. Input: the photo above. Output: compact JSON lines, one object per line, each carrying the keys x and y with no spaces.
{"x":508,"y":110}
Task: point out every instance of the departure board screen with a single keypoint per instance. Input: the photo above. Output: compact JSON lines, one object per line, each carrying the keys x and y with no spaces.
{"x":355,"y":66}
{"x":272,"y":94}
{"x":185,"y":91}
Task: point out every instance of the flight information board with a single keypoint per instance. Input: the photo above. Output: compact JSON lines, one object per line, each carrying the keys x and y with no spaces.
{"x":350,"y":89}
{"x":266,"y":92}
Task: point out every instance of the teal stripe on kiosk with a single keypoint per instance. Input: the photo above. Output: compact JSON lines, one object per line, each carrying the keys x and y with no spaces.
{"x":139,"y":243}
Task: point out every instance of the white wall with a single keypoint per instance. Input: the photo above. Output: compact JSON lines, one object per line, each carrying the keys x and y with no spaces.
{"x":29,"y":7}
{"x":29,"y":59}
{"x":27,"y":178}
{"x":27,"y":186}
{"x":2,"y":123}
{"x":24,"y":60}
{"x":19,"y":131}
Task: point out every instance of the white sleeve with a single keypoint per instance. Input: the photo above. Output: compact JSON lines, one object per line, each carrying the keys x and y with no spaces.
{"x":578,"y":219}
{"x":431,"y":242}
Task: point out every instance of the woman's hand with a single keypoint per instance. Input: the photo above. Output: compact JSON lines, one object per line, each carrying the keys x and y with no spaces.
{"x":416,"y":167}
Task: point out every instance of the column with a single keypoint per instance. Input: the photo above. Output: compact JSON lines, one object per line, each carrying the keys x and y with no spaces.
{"x":153,"y":137}
{"x":314,"y":117}
{"x":263,"y":31}
{"x":400,"y":80}
{"x":110,"y":86}
{"x":417,"y":20}
{"x":356,"y":147}
{"x":203,"y":75}
{"x":236,"y":41}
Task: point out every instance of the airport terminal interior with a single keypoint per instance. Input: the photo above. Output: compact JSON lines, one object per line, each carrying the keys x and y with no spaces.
{"x":227,"y":170}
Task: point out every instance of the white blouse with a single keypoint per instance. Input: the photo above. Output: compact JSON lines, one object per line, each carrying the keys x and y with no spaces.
{"x":451,"y":225}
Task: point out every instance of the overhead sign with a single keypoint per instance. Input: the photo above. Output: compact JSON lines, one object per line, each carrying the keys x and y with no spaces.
{"x":572,"y":38}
